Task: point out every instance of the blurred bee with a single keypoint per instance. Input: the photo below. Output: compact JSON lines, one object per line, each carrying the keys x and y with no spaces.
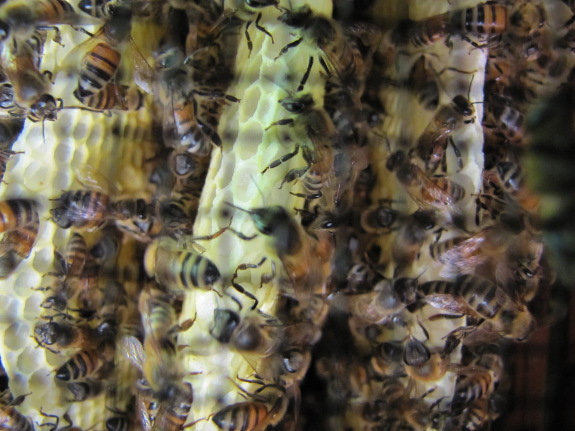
{"x":254,"y":334}
{"x":85,"y":390}
{"x":179,"y":270}
{"x":87,"y":363}
{"x":66,"y":336}
{"x":478,"y":297}
{"x":380,"y":218}
{"x":386,"y":299}
{"x":432,"y":144}
{"x":19,"y":19}
{"x":159,"y":319}
{"x":484,"y":20}
{"x":423,"y":365}
{"x":11,"y":419}
{"x":251,"y":415}
{"x":115,"y":97}
{"x":17,"y":213}
{"x":16,"y":245}
{"x":302,"y":256}
{"x":507,"y":119}
{"x":476,"y":381}
{"x":386,"y":359}
{"x":423,"y":83}
{"x":410,"y":237}
{"x":427,"y":192}
{"x":313,"y":125}
{"x":105,"y":9}
{"x":172,"y":415}
{"x":85,"y":209}
{"x":71,"y":264}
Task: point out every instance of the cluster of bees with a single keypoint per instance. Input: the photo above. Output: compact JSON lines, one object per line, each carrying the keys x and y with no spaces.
{"x":402,"y":268}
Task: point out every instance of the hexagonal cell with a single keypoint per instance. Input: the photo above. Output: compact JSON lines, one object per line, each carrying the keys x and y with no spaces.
{"x":29,"y":360}
{"x":16,"y":335}
{"x":25,"y":280}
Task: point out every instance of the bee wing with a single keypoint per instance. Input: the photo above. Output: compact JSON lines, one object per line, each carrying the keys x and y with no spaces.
{"x":144,"y":75}
{"x":447,"y":302}
{"x":145,"y":419}
{"x":133,"y":350}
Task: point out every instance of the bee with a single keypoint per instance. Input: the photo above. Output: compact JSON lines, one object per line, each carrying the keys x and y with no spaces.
{"x":478,"y":297}
{"x":17,"y":213}
{"x":66,"y":336}
{"x":85,"y":209}
{"x":172,"y":415}
{"x":432,"y":143}
{"x":72,"y":263}
{"x":314,"y":127}
{"x":16,"y":245}
{"x":427,"y":192}
{"x":251,"y":415}
{"x":252,"y":334}
{"x":12,"y":420}
{"x":423,"y":84}
{"x":19,"y":19}
{"x":386,"y":360}
{"x":159,"y":319}
{"x":508,"y":119}
{"x":85,"y":390}
{"x":477,"y":381}
{"x":423,"y":365}
{"x":110,"y":8}
{"x":410,"y":237}
{"x":380,"y":218}
{"x":103,"y":53}
{"x":87,"y":363}
{"x":115,"y":97}
{"x":386,"y":299}
{"x":421,"y":33}
{"x":485,"y":19}
{"x":303,"y":257}
{"x":179,"y":270}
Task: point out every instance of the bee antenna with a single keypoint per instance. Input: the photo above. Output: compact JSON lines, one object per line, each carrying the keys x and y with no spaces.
{"x":236,"y":207}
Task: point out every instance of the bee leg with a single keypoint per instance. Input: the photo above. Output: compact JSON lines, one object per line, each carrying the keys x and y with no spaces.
{"x":457,"y":153}
{"x":242,"y":290}
{"x":54,"y":425}
{"x":57,"y":37}
{"x":288,"y":47}
{"x":262,"y":28}
{"x":308,"y":197}
{"x":281,"y":160}
{"x":284,"y":122}
{"x":238,"y":287}
{"x":249,"y":39}
{"x":293,"y":175}
{"x":305,"y":75}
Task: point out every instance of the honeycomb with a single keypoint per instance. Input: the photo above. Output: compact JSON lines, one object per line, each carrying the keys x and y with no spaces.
{"x":305,"y":303}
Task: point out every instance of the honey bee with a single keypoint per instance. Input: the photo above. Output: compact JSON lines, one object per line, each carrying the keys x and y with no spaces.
{"x":477,"y":381}
{"x":423,"y":365}
{"x":410,"y":237}
{"x":85,"y":390}
{"x":478,"y":297}
{"x":432,"y":144}
{"x":16,"y":213}
{"x":85,"y":209}
{"x":16,"y":245}
{"x":380,"y":218}
{"x":484,"y":20}
{"x":110,"y":8}
{"x":386,"y":299}
{"x":386,"y":359}
{"x":87,"y":363}
{"x":172,"y":415}
{"x":179,"y":270}
{"x":103,"y":53}
{"x":251,"y":415}
{"x":75,"y":257}
{"x":115,"y":97}
{"x":303,"y":257}
{"x":12,"y":420}
{"x":159,"y":319}
{"x":423,"y":83}
{"x":427,"y":192}
{"x":66,"y":336}
{"x":508,"y":119}
{"x":19,"y":19}
{"x":253,"y":334}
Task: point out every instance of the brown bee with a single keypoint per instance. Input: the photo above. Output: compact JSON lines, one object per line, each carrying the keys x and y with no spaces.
{"x":87,"y":363}
{"x":86,"y":209}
